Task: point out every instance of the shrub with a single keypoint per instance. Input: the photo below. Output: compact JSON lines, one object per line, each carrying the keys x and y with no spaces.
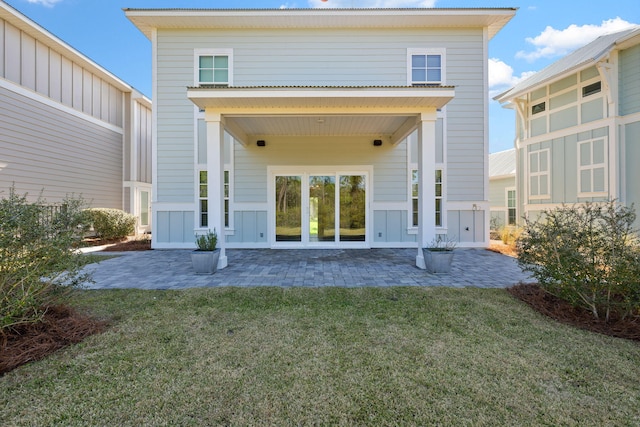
{"x":37,"y":263}
{"x":111,"y":223}
{"x":509,"y":234}
{"x":587,"y":255}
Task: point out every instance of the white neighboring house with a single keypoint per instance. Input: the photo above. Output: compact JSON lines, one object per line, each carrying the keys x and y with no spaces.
{"x":578,"y":127}
{"x":68,"y":126}
{"x":320,"y":128}
{"x":502,"y":188}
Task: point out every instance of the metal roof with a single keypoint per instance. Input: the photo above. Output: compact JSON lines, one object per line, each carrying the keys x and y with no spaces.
{"x":502,"y":163}
{"x":579,"y":59}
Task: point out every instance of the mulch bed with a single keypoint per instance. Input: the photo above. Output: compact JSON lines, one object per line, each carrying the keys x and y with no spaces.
{"x":560,"y":310}
{"x":61,"y":326}
{"x":121,"y":245}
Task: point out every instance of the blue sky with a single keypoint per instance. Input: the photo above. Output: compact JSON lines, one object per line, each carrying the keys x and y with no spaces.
{"x":541,"y":32}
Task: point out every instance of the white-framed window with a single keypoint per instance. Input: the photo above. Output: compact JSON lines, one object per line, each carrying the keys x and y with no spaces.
{"x":414,"y":197}
{"x":425,"y":67}
{"x":439,"y":190}
{"x":511,"y":206}
{"x":539,"y":174}
{"x":213,"y":67}
{"x":592,"y":167}
{"x":438,"y":181}
{"x":203,"y":198}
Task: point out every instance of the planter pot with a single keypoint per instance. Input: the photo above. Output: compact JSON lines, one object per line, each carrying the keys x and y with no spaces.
{"x":205,"y":262}
{"x":437,"y":261}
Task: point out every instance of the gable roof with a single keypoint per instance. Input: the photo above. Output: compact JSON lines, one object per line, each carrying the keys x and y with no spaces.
{"x":491,"y":18}
{"x":579,"y":59}
{"x":502,"y":163}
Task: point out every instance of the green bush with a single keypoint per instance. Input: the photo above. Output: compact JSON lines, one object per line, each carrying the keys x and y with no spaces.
{"x":37,"y":263}
{"x":111,"y":223}
{"x":587,"y":255}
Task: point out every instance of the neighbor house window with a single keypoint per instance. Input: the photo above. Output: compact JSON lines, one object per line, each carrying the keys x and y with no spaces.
{"x":425,"y":67}
{"x":591,"y":89}
{"x":511,"y":207}
{"x":592,"y":166}
{"x":213,"y":67}
{"x":538,"y":108}
{"x":438,"y":178}
{"x":144,"y":208}
{"x":204,"y":201}
{"x":539,"y":174}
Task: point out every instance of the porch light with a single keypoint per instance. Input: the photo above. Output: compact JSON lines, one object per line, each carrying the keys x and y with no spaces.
{"x":377,"y":142}
{"x":261,"y":143}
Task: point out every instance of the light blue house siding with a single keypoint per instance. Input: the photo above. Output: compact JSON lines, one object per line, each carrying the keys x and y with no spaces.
{"x":320,"y":57}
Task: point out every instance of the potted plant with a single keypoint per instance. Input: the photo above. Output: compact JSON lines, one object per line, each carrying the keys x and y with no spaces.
{"x":205,"y":258}
{"x":438,"y":256}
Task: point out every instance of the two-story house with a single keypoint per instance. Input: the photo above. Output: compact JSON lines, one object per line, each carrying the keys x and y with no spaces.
{"x":578,"y":127}
{"x":68,"y":126}
{"x":320,"y":128}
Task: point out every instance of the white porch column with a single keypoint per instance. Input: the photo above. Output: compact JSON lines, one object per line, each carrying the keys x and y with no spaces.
{"x":215,"y":179}
{"x":426,"y":182}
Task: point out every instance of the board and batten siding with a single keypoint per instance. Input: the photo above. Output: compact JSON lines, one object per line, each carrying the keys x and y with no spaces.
{"x":629,"y":75}
{"x":319,"y":57}
{"x":45,"y":148}
{"x":32,"y":64}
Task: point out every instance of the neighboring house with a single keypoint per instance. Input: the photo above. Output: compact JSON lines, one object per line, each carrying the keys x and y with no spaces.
{"x":320,"y":128}
{"x":68,"y":126}
{"x":502,"y":188}
{"x":578,"y":127}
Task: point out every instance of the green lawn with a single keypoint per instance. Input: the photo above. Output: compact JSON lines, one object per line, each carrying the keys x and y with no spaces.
{"x":328,"y":356}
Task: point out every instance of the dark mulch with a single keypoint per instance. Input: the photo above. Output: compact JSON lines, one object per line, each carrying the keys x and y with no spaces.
{"x":61,"y":326}
{"x":120,"y":245}
{"x":560,"y":310}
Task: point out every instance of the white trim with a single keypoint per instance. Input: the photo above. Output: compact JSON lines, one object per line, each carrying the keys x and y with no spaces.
{"x":427,"y":51}
{"x":154,"y":136}
{"x":388,"y":206}
{"x":480,"y":205}
{"x":198,"y":52}
{"x":173,"y":207}
{"x":28,"y":93}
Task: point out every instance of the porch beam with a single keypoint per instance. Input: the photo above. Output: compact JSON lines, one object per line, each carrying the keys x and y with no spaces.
{"x":404,"y":130}
{"x":215,"y":179}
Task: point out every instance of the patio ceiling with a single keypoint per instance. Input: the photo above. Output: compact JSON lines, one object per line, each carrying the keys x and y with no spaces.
{"x":321,"y":111}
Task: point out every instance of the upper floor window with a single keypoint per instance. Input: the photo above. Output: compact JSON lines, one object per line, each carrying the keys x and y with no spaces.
{"x":213,"y":67}
{"x":425,"y":67}
{"x":591,"y":89}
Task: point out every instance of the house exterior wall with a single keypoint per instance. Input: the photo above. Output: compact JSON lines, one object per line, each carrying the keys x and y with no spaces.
{"x":568,"y":128}
{"x":67,"y":126}
{"x":498,"y":199}
{"x":320,"y":57}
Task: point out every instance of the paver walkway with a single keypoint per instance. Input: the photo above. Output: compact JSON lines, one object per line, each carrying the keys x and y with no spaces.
{"x":171,"y":269}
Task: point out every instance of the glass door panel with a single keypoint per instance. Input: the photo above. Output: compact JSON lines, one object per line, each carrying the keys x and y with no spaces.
{"x":322,"y":208}
{"x":352,"y":208}
{"x":288,"y":208}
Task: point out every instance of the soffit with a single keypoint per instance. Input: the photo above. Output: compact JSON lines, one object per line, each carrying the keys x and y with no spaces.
{"x":148,"y":19}
{"x":322,"y":111}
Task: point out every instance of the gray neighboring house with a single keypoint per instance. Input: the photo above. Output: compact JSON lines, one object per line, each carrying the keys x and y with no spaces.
{"x":320,"y":128}
{"x":502,"y":188}
{"x":578,"y":127}
{"x":68,"y":126}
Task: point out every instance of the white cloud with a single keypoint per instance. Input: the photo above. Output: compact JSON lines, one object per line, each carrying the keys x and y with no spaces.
{"x":371,"y":3}
{"x":46,"y":3}
{"x":501,"y":76}
{"x":553,"y":43}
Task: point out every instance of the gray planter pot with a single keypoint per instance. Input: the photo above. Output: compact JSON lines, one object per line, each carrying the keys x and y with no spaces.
{"x":437,"y":261}
{"x":205,"y":262}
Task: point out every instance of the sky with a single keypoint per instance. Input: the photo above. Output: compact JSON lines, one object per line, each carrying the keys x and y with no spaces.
{"x":541,"y":32}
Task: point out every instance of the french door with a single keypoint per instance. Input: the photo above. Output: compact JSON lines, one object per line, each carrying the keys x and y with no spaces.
{"x":320,"y":209}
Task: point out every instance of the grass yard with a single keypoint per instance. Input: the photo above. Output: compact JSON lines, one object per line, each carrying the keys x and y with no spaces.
{"x":327,"y":356}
